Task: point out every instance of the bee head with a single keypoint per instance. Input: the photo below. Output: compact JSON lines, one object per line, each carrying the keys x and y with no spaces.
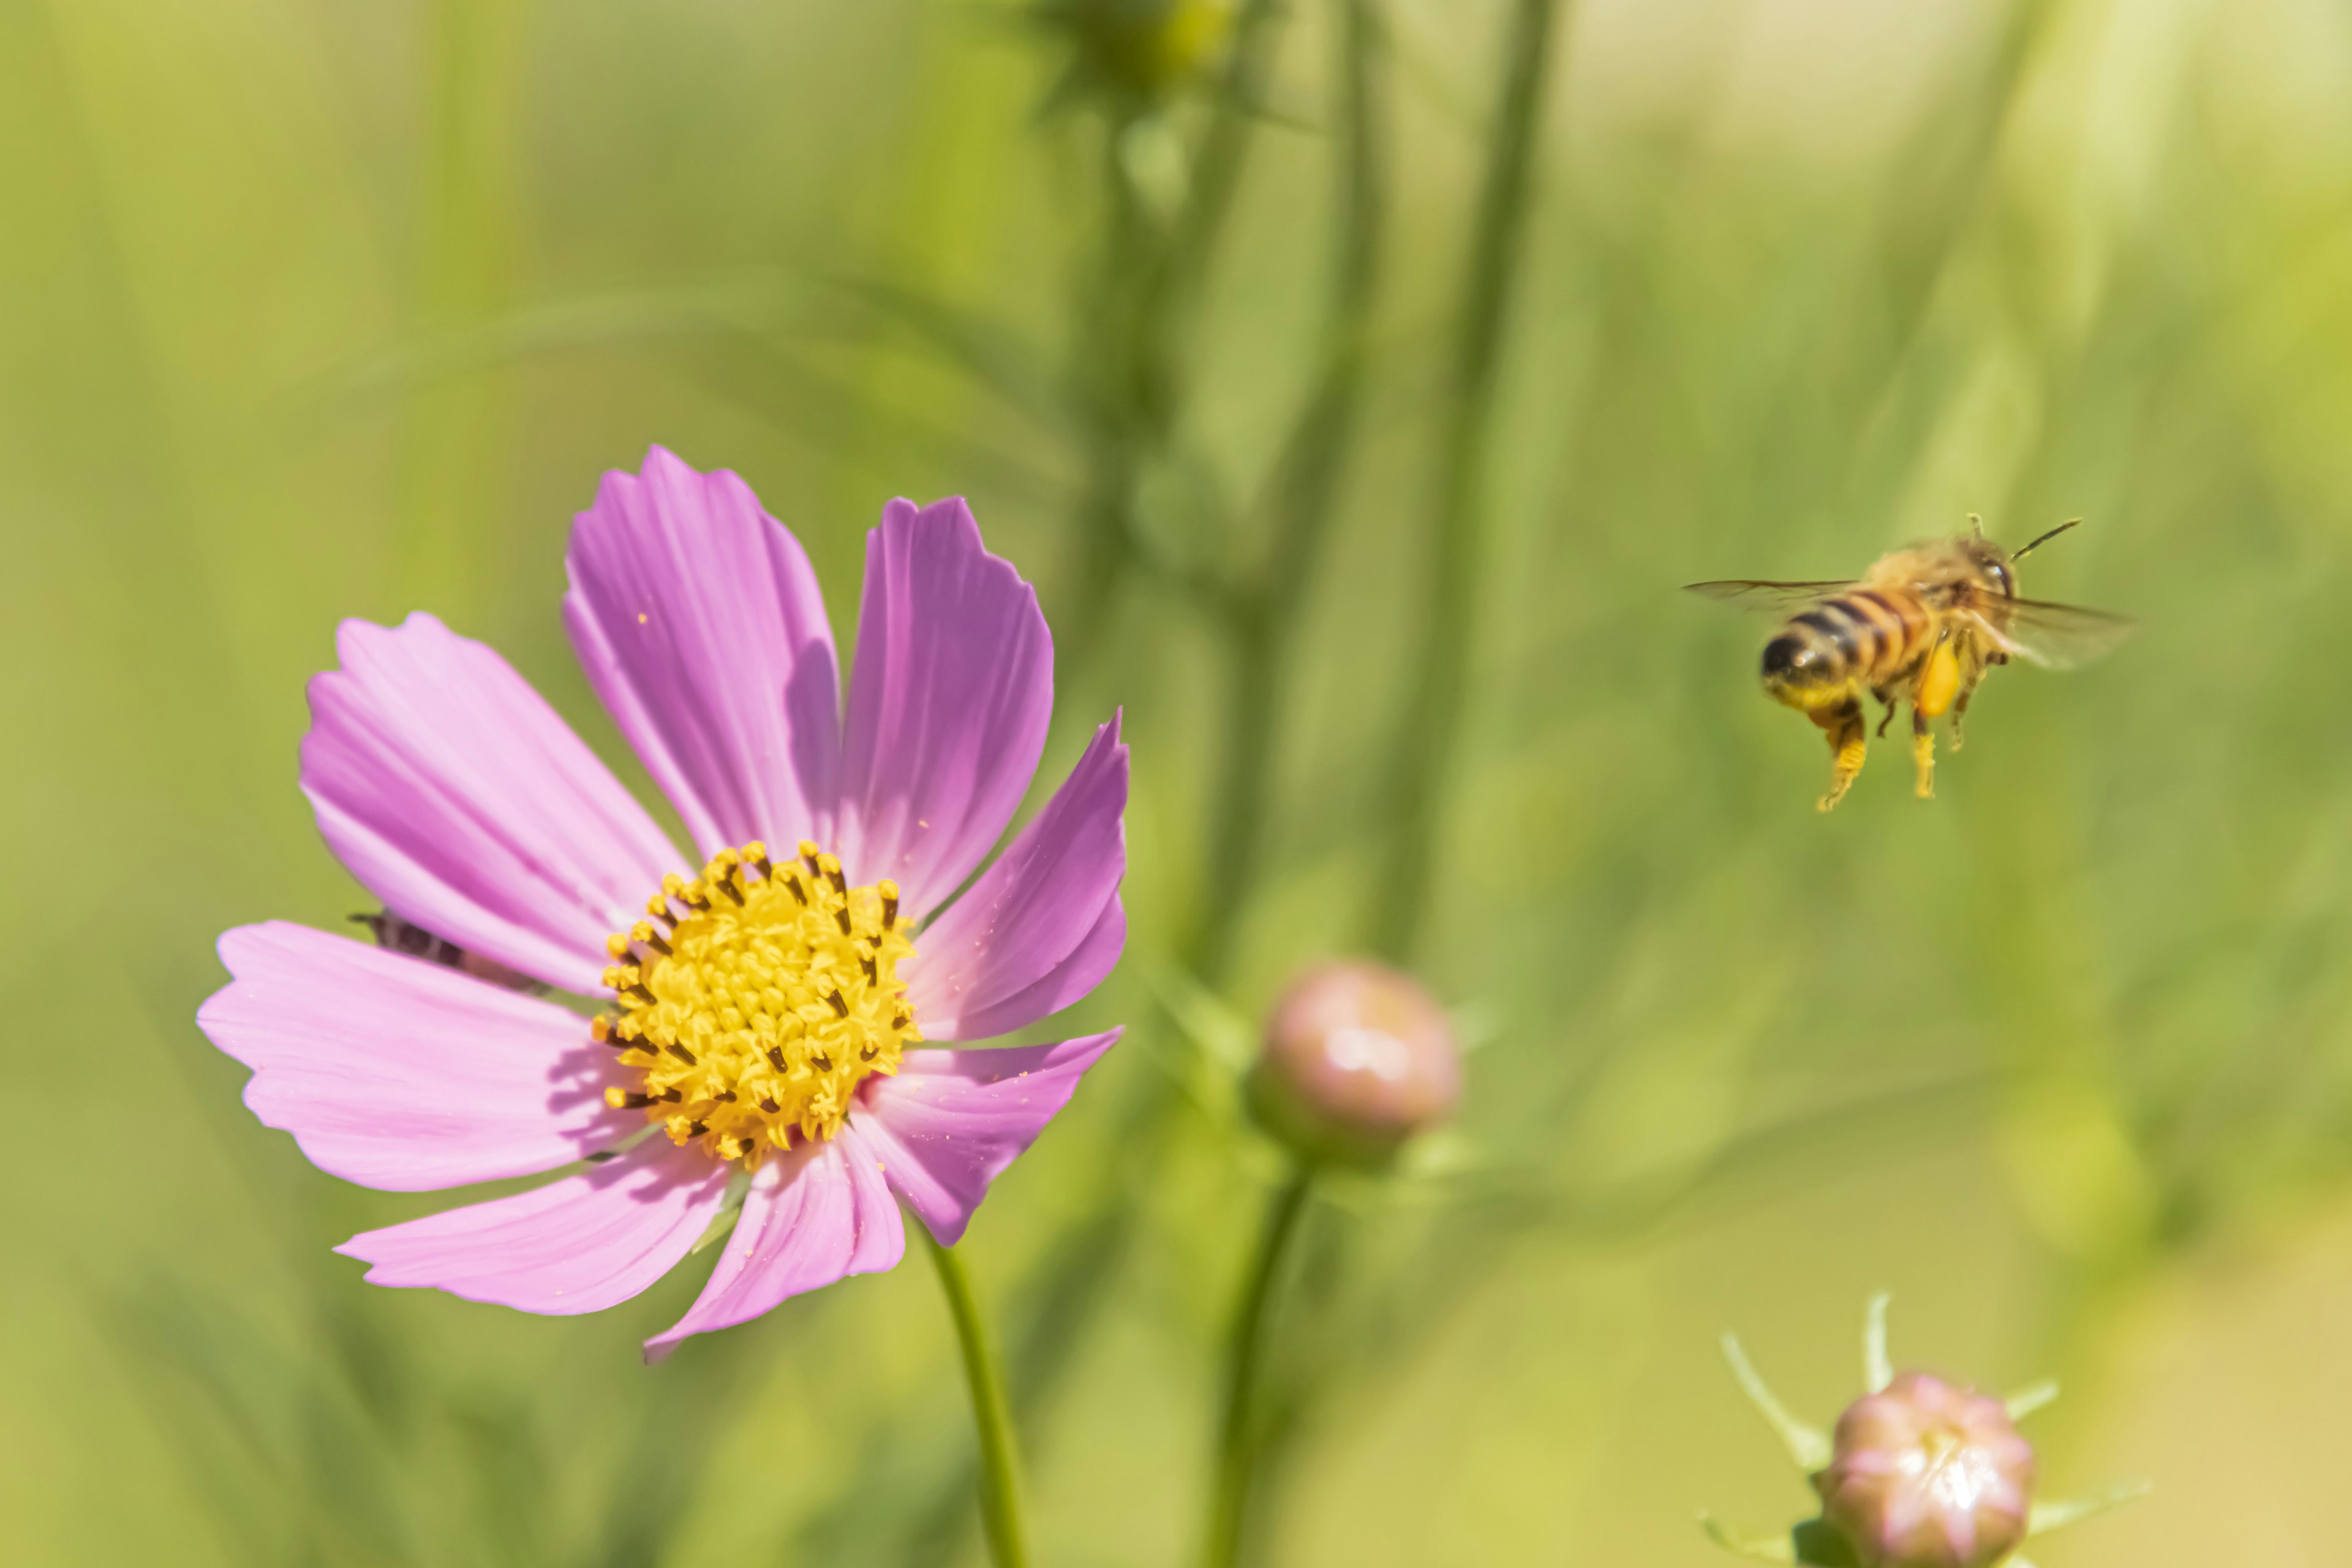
{"x":1995,"y":566}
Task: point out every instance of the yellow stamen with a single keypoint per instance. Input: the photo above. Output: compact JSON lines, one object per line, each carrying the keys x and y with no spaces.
{"x":770,"y":1001}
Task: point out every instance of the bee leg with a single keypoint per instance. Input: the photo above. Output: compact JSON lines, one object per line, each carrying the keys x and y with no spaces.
{"x":1959,"y":714}
{"x":1888,"y":717}
{"x":1847,"y":731}
{"x":1923,"y":754}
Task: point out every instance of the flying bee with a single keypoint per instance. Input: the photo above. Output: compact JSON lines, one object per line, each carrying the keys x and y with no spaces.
{"x":1923,"y":626}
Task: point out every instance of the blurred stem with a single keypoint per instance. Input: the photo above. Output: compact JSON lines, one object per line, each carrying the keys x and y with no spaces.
{"x":1237,"y":1447}
{"x":1433,"y":728}
{"x":1135,"y":397}
{"x":454,"y":433}
{"x":1264,"y":616}
{"x":1217,"y":171}
{"x":1150,"y":274}
{"x":1112,"y":378}
{"x":999,"y":1480}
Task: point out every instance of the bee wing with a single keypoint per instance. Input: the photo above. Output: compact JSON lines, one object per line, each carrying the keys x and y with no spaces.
{"x":1771,"y":598}
{"x":2057,"y":637}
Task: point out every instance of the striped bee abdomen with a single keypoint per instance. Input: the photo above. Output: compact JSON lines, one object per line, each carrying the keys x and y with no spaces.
{"x":1867,"y":639}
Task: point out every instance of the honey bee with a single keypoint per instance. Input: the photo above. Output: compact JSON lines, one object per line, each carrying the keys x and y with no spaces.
{"x":1924,"y":624}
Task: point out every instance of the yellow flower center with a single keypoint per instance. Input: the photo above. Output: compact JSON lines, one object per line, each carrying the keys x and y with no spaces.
{"x":757,"y":1013}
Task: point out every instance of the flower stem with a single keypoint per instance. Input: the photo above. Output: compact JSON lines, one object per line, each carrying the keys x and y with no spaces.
{"x":1000,"y":1479}
{"x":1238,"y":1444}
{"x":456,"y":431}
{"x":1434,"y":725}
{"x":1131,"y":380}
{"x":1263,"y":613}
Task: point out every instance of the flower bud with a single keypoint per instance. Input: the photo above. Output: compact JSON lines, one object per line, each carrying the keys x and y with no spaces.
{"x":1925,"y":1475}
{"x":1144,"y":49}
{"x":1357,"y":1059}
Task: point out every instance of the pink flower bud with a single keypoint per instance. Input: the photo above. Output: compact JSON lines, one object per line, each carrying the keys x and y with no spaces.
{"x":1357,"y":1058}
{"x":1925,"y":1475}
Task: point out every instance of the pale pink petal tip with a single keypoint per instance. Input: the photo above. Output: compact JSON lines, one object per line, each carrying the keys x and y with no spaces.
{"x":400,"y":1074}
{"x":454,"y":794}
{"x":1043,"y":926}
{"x":949,"y":701}
{"x":580,"y":1245}
{"x":700,"y":624}
{"x":950,"y":1122}
{"x":1960,"y":1533}
{"x":816,"y":1216}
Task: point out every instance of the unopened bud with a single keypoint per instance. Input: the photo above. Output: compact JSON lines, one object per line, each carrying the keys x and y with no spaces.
{"x":1925,"y":1475}
{"x":1146,"y":49}
{"x":1357,"y":1059}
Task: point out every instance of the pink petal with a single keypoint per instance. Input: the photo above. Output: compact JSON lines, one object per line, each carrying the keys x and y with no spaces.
{"x":453,"y":791}
{"x":1960,"y":1533}
{"x":580,"y":1245}
{"x":398,"y":1073}
{"x":950,"y":1122}
{"x":1901,"y":1513}
{"x":1065,"y":983}
{"x":812,"y":1217}
{"x":948,"y":704}
{"x":1042,"y":926}
{"x":700,"y":626}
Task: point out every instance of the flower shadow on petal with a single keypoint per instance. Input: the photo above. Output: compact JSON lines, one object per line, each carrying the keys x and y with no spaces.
{"x":579,"y":1077}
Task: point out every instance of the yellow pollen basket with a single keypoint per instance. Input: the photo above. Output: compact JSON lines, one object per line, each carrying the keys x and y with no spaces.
{"x":758,"y":1012}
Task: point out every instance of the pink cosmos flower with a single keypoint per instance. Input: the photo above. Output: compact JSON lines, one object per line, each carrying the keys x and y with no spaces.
{"x":763,"y":1015}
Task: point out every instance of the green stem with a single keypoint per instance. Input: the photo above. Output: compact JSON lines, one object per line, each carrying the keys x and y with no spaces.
{"x":1109,"y":378}
{"x":1130,"y":368}
{"x":1000,"y":1479}
{"x":454,"y":430}
{"x":1224,"y":149}
{"x":1262,"y":616}
{"x":1433,"y":724}
{"x":1238,"y":1444}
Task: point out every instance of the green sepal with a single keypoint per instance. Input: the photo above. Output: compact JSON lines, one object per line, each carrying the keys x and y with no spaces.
{"x":1809,"y":1445}
{"x":2028,"y":1400}
{"x":1821,"y":1544}
{"x":1877,"y":1372}
{"x":1815,"y":1543}
{"x":1746,"y":1544}
{"x":2048,"y":1516}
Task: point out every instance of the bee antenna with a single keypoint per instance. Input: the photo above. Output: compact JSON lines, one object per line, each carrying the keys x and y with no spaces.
{"x":2070,"y":522}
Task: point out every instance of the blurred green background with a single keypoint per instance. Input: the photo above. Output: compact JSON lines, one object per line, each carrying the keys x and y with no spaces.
{"x":312,"y":309}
